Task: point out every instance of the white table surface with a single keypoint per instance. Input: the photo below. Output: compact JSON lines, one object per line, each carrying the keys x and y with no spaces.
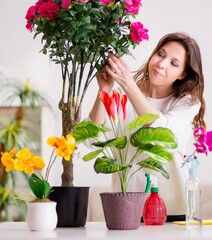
{"x":98,"y":230}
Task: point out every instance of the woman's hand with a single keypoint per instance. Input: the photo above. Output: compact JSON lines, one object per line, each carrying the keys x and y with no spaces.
{"x":119,"y":71}
{"x":105,"y":82}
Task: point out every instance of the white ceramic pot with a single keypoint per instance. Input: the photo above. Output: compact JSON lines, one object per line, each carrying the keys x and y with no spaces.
{"x":41,"y":216}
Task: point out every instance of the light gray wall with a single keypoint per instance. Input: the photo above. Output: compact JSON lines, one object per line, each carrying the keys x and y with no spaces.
{"x":20,"y":59}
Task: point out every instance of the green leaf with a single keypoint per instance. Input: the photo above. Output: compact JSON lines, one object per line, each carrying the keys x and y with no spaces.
{"x":141,"y":121}
{"x":154,"y":165}
{"x":85,"y":130}
{"x":118,"y":143}
{"x":158,"y":153}
{"x":108,"y":165}
{"x":155,"y":136}
{"x":39,"y":187}
{"x":92,"y":155}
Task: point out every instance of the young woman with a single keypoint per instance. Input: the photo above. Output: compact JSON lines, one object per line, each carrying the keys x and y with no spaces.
{"x":169,"y":84}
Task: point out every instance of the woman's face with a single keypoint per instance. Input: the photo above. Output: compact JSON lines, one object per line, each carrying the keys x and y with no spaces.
{"x":167,"y":65}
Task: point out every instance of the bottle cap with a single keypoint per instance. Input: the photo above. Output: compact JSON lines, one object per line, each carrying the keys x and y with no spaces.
{"x":152,"y":182}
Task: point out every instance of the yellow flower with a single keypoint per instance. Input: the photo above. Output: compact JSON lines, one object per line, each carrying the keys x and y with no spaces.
{"x":23,"y":156}
{"x":34,"y":163}
{"x":53,"y":142}
{"x":65,"y":146}
{"x":8,"y":160}
{"x":25,"y":161}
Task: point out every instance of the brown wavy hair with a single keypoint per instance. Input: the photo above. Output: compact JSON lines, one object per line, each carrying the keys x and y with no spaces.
{"x":192,"y":83}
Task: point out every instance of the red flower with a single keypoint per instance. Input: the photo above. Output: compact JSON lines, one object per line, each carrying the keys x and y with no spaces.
{"x":123,"y":105}
{"x":138,"y":32}
{"x":117,"y":101}
{"x":47,"y":9}
{"x":132,"y":6}
{"x":66,"y":3}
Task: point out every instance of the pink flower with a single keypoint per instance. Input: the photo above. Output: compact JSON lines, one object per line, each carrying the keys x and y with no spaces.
{"x":138,"y":32}
{"x":208,"y":140}
{"x":82,"y":1}
{"x":30,"y":13}
{"x":48,"y":9}
{"x":106,"y":1}
{"x":66,"y":3}
{"x":132,"y":6}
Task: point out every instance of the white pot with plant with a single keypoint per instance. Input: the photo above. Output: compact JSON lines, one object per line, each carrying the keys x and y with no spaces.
{"x":41,"y":213}
{"x":111,"y":155}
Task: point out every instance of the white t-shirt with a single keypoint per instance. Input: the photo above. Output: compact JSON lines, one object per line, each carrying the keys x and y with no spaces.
{"x":177,"y":115}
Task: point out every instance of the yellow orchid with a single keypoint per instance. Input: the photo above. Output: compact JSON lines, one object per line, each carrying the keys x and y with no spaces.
{"x":25,"y":161}
{"x":8,"y":160}
{"x":65,"y":146}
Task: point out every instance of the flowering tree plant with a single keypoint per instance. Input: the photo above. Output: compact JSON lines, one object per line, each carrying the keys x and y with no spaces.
{"x":203,"y":143}
{"x":24,"y":160}
{"x":154,"y":142}
{"x":78,"y":35}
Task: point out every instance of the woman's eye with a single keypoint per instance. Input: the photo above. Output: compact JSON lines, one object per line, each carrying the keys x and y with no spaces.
{"x":160,"y":54}
{"x":175,"y":64}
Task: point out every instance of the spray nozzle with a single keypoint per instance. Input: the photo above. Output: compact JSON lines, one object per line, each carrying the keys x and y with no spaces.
{"x":194,"y":164}
{"x":152,"y":182}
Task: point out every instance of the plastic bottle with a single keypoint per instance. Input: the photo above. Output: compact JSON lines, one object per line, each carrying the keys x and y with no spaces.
{"x":193,"y":210}
{"x":154,"y":211}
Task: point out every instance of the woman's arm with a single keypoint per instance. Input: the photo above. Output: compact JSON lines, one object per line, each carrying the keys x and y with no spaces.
{"x":120,"y":71}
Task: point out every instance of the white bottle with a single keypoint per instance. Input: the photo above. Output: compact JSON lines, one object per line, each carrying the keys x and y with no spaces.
{"x":193,"y":194}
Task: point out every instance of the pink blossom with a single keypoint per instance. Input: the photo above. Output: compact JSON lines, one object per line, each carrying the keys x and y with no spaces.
{"x":118,"y":21}
{"x":30,"y":13}
{"x":29,"y":26}
{"x":138,"y":32}
{"x":48,"y":9}
{"x":66,"y":3}
{"x":82,"y":1}
{"x":132,"y":6}
{"x":208,"y":140}
{"x":106,"y":1}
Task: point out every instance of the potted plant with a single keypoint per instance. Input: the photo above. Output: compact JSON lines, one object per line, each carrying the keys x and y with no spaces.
{"x":78,"y":35}
{"x":111,"y":155}
{"x":41,"y":213}
{"x":16,"y":130}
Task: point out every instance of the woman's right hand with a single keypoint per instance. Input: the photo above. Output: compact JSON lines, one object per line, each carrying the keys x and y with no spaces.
{"x":105,"y":82}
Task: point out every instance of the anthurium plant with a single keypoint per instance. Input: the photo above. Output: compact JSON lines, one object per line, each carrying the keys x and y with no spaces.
{"x":113,"y":143}
{"x":24,"y":160}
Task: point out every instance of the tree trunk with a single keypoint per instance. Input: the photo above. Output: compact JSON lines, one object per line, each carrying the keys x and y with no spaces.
{"x":70,"y":117}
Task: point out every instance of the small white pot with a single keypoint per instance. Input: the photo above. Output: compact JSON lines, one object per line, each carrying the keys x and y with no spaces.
{"x":41,"y":216}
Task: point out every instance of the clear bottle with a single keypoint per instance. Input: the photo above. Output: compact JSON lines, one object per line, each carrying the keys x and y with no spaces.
{"x":154,"y":211}
{"x":193,"y":195}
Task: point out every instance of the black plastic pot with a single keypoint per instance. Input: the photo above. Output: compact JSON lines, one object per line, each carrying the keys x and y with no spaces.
{"x":72,"y":205}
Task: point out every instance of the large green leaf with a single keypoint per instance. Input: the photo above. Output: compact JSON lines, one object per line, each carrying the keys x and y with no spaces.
{"x":155,"y":136}
{"x":85,"y":130}
{"x":108,"y":165}
{"x":141,"y":121}
{"x":158,"y":153}
{"x":154,"y":165}
{"x":92,"y":155}
{"x":118,"y":143}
